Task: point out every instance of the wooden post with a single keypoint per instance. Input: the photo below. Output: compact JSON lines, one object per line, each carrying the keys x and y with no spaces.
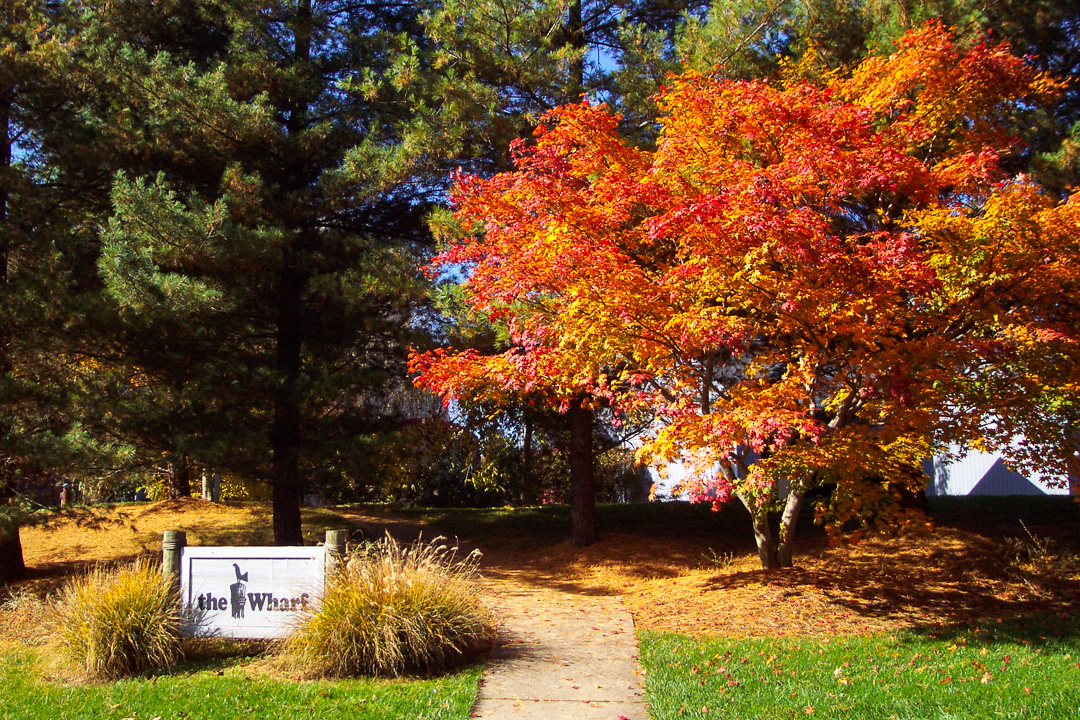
{"x":335,"y":550}
{"x":207,"y":486}
{"x":172,"y":543}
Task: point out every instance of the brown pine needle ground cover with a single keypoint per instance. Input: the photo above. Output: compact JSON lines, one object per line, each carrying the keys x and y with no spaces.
{"x":75,"y":539}
{"x":678,"y":568}
{"x":984,"y":560}
{"x":881,"y":584}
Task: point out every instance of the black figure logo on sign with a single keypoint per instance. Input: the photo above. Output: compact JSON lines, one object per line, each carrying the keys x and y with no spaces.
{"x":239,"y":593}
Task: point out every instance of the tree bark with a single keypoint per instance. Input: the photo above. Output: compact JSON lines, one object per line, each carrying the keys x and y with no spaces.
{"x":179,"y":482}
{"x":12,"y":566}
{"x":6,"y":142}
{"x":285,"y":437}
{"x":575,"y":38}
{"x":582,"y":489}
{"x":786,"y":547}
{"x":6,"y":362}
{"x":763,"y":535}
{"x":529,"y":490}
{"x":912,"y":499}
{"x":708,"y":361}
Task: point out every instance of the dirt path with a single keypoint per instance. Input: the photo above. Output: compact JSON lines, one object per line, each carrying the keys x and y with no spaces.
{"x":560,"y":655}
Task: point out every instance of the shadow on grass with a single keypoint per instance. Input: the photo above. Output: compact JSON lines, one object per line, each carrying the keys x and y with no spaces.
{"x":1043,"y":630}
{"x":199,"y":655}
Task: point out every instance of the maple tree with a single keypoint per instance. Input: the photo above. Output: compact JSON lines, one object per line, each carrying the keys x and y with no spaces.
{"x":809,"y":282}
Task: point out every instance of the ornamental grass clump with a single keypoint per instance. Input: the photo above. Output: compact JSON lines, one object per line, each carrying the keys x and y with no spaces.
{"x":394,"y":610}
{"x":116,"y":621}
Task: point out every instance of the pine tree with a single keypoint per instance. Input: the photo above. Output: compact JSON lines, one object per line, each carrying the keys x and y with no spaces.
{"x":260,"y":255}
{"x":34,"y":231}
{"x":513,"y":60}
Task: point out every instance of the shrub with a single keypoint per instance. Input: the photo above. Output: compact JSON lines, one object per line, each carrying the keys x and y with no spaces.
{"x":117,"y":621}
{"x":394,"y":610}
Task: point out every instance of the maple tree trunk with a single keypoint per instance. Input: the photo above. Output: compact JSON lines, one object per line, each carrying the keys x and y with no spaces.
{"x":912,"y":498}
{"x":785,"y":548}
{"x":582,"y":491}
{"x":763,"y":535}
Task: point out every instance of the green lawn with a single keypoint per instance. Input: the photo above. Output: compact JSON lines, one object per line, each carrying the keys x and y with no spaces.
{"x":224,"y":691}
{"x":999,"y":672}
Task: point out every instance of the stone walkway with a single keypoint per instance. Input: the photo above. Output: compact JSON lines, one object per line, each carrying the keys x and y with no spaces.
{"x":561,"y":656}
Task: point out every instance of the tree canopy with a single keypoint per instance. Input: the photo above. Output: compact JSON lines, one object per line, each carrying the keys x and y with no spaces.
{"x":809,"y":282}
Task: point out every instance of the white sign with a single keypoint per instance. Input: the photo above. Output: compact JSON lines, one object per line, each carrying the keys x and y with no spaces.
{"x":248,"y":592}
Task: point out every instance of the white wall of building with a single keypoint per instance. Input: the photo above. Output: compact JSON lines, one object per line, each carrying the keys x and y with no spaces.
{"x":979,"y":473}
{"x":975,"y":473}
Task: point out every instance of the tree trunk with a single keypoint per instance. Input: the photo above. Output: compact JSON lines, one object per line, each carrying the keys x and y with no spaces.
{"x":529,"y":489}
{"x":788,"y":522}
{"x":7,"y":364}
{"x":582,"y":490}
{"x":575,"y":38}
{"x":285,"y":437}
{"x":12,"y":566}
{"x":179,"y":482}
{"x":912,"y":499}
{"x":6,"y":142}
{"x":763,"y":535}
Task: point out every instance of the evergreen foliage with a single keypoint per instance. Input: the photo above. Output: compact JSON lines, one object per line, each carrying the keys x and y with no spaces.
{"x":265,"y":223}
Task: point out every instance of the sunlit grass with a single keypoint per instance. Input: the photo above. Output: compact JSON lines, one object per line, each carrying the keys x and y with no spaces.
{"x":1009,"y":671}
{"x":226,"y":691}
